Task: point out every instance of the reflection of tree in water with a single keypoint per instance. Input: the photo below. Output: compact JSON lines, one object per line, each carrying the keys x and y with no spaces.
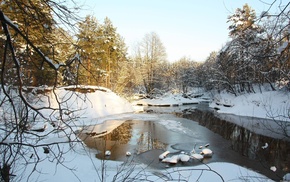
{"x":147,"y":140}
{"x":145,"y":134}
{"x":122,"y":133}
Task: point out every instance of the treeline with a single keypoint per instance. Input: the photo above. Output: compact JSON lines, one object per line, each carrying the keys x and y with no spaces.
{"x":87,"y":51}
{"x":95,"y":54}
{"x":257,"y":54}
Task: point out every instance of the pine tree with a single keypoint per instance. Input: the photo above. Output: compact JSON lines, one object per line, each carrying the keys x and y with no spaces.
{"x":103,"y":50}
{"x":115,"y":52}
{"x":41,"y":30}
{"x":36,"y":30}
{"x":89,"y":37}
{"x":242,"y":20}
{"x":241,"y":51}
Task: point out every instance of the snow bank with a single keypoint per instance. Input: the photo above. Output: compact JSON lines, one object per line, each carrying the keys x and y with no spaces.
{"x":167,"y":100}
{"x":268,"y":104}
{"x":86,"y":103}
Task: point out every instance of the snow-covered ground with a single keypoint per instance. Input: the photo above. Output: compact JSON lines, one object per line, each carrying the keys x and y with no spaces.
{"x":167,"y":100}
{"x":78,"y":163}
{"x":268,"y":104}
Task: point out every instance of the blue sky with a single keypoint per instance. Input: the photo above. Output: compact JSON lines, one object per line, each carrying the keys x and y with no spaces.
{"x":186,"y":27}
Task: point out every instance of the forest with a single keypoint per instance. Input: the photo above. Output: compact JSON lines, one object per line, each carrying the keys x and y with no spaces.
{"x":91,"y":52}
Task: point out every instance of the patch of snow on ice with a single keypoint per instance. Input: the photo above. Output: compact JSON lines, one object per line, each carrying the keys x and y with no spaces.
{"x":273,"y":168}
{"x":265,"y":146}
{"x":173,"y":125}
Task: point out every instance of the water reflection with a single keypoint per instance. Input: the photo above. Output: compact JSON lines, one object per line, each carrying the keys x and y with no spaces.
{"x":122,"y":134}
{"x":250,"y":137}
{"x":133,"y":136}
{"x":148,"y":140}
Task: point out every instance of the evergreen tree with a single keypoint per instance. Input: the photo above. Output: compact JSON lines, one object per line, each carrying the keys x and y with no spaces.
{"x":102,"y":51}
{"x":114,"y":54}
{"x":123,"y":68}
{"x":242,"y":20}
{"x":36,"y":29}
{"x":42,"y":31}
{"x":89,"y":38}
{"x":241,"y":51}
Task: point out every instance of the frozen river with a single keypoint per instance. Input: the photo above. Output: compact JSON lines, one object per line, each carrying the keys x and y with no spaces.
{"x":146,"y":136}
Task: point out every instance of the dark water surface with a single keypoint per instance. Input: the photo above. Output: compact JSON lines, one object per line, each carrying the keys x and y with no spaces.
{"x":147,"y":139}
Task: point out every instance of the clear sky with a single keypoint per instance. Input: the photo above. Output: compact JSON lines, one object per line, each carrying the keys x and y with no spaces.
{"x":186,"y":27}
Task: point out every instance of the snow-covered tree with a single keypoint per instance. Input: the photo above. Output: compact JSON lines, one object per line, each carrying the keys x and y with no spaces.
{"x":242,"y":20}
{"x":242,"y":60}
{"x":259,"y":48}
{"x":277,"y":25}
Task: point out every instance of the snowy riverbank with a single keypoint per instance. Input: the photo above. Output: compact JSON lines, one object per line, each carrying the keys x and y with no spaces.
{"x":266,"y":104}
{"x":67,"y":162}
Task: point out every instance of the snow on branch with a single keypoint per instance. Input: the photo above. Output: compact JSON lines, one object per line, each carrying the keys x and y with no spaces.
{"x":6,"y":21}
{"x":282,"y":47}
{"x":70,"y":61}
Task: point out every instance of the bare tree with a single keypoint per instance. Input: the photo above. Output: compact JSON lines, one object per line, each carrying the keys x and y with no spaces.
{"x":152,"y":54}
{"x":185,"y":74}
